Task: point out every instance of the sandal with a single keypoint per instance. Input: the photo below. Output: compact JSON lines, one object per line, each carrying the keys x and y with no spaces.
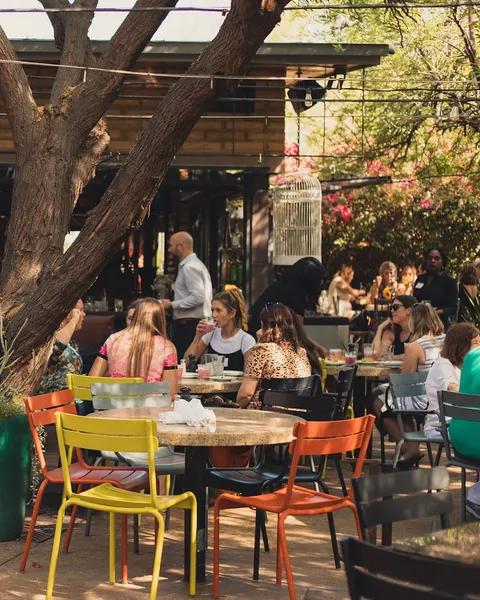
{"x":408,"y":463}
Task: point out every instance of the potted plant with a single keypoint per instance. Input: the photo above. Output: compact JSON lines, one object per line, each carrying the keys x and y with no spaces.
{"x":15,"y":447}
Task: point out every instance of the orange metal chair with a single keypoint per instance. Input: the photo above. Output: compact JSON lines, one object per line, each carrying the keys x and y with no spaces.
{"x":311,"y":439}
{"x":40,"y":411}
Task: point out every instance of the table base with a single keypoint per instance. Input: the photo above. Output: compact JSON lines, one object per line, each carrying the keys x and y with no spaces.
{"x":195,"y":481}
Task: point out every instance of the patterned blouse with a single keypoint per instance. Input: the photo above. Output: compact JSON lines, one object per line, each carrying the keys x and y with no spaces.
{"x":270,"y":360}
{"x":65,"y":358}
{"x":117,"y":347}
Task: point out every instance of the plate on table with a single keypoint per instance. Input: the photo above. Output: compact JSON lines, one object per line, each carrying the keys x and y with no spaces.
{"x":334,"y":363}
{"x":233,"y":373}
{"x":222,"y":378}
{"x":190,"y":376}
{"x":388,"y":363}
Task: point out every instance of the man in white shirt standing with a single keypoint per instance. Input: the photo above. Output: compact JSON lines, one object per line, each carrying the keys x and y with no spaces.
{"x":193,"y":292}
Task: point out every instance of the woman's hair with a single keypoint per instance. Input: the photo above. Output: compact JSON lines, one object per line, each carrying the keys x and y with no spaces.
{"x":424,"y":321}
{"x":278,"y":325}
{"x":343,"y":270}
{"x":387,"y":266}
{"x":458,"y":341}
{"x":148,"y":321}
{"x":305,"y":342}
{"x":468,"y":275}
{"x":233,"y":300}
{"x":414,"y":270}
{"x":442,"y":253}
{"x":307,"y":273}
{"x":407,"y":300}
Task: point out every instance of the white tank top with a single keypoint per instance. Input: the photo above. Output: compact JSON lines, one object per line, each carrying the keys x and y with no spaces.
{"x":432,"y":347}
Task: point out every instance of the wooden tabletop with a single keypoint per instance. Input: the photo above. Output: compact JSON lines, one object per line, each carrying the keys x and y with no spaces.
{"x":210,"y":386}
{"x":234,"y":427}
{"x":458,"y":543}
{"x":366,"y":370}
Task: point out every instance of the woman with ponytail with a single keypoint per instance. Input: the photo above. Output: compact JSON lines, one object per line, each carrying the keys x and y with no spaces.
{"x":141,"y":350}
{"x":229,"y":337}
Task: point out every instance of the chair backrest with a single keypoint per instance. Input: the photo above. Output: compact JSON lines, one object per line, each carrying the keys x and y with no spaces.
{"x":106,"y":396}
{"x":457,"y":406}
{"x":306,"y":407}
{"x":111,"y":435}
{"x":41,"y":411}
{"x":404,"y":495}
{"x":346,"y":379}
{"x":381,"y":308}
{"x":406,"y":385}
{"x":313,"y":438}
{"x":377,"y":573}
{"x":302,"y":386}
{"x":80,"y":384}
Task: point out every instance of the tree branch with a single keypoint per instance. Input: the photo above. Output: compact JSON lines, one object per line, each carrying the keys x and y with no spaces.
{"x":71,"y":31}
{"x":128,"y":198}
{"x":16,"y":95}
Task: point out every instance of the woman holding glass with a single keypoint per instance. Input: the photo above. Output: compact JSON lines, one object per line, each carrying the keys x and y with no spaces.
{"x":395,"y":332}
{"x":227,"y":337}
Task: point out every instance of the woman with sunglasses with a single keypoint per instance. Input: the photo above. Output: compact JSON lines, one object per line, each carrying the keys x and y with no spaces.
{"x":395,"y":331}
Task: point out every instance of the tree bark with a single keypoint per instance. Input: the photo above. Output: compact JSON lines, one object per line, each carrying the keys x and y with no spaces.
{"x":127,"y":200}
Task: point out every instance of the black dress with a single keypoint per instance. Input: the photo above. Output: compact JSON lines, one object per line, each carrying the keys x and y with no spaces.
{"x":441,"y":292}
{"x":469,"y":311}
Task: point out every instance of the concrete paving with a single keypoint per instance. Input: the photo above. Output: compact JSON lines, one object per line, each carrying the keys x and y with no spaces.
{"x":83,"y":572}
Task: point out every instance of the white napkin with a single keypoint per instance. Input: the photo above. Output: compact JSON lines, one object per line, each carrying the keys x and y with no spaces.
{"x":192,"y":413}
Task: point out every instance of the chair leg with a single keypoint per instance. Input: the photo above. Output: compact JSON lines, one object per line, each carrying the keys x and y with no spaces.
{"x":333,"y":536}
{"x":111,"y":547}
{"x":71,"y":525}
{"x":170,"y":492}
{"x":382,"y":448}
{"x":256,"y":547}
{"x":33,"y":521}
{"x":263,"y":529}
{"x":124,"y":550}
{"x":439,"y":454}
{"x":430,"y":454}
{"x":357,"y":522}
{"x":88,"y":522}
{"x":136,"y":536}
{"x":216,"y":550}
{"x":160,"y":527}
{"x":397,"y":453}
{"x":464,"y":496}
{"x":192,"y":588}
{"x":55,"y":551}
{"x":341,"y":478}
{"x":278,"y":578}
{"x":286,"y":558}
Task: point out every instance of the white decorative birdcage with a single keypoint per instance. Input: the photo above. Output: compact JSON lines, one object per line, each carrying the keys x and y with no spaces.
{"x":297,"y":218}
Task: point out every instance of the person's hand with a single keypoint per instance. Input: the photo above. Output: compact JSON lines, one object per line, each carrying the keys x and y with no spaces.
{"x":385,"y":324}
{"x":166,"y":304}
{"x":378,"y":280}
{"x":201,"y":328}
{"x":361,"y":292}
{"x":74,"y":315}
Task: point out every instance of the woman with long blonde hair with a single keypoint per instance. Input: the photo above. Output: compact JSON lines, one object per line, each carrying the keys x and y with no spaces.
{"x":140,"y":350}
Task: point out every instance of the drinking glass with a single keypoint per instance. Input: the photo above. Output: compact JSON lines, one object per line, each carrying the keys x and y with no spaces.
{"x":351,"y":358}
{"x":368,"y":351}
{"x":204,"y":372}
{"x":118,"y":304}
{"x":389,"y":353}
{"x":210,"y":324}
{"x":336,"y":355}
{"x":179,"y":372}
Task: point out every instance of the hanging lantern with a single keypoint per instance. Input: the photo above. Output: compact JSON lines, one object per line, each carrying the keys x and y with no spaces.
{"x":297,"y":218}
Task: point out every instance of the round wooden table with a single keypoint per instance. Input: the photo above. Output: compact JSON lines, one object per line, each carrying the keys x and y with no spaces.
{"x":234,"y":427}
{"x":377,"y":370}
{"x":211,"y":386}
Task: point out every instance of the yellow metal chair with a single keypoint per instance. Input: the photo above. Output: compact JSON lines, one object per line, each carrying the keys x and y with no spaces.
{"x":80,"y":384}
{"x":118,"y":435}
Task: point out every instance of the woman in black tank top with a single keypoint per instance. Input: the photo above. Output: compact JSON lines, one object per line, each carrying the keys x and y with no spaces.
{"x":395,"y":330}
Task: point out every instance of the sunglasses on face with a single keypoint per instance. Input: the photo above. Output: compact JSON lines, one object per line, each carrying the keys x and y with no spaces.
{"x":395,"y":307}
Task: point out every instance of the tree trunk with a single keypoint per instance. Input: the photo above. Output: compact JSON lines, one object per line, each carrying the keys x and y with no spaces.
{"x":39,"y":284}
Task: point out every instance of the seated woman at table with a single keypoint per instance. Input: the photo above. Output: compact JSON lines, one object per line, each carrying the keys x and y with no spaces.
{"x":407,"y":279}
{"x":278,"y":355}
{"x":395,"y":331}
{"x":385,"y":284}
{"x":140,"y":350}
{"x":468,"y":295}
{"x":424,"y":349}
{"x":229,"y":338}
{"x":65,"y":357}
{"x":446,"y":370}
{"x":341,"y":293}
{"x":464,"y":435}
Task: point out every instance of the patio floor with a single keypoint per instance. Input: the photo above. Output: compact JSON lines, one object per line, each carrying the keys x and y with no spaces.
{"x":83,"y":572}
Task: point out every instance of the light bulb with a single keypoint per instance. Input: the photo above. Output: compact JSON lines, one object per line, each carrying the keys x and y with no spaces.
{"x":308,"y":98}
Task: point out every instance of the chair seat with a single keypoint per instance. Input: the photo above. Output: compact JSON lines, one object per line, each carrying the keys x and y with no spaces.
{"x":251,"y":482}
{"x":420,"y":437}
{"x":302,"y":501}
{"x":111,"y":497}
{"x":129,"y":478}
{"x":172,"y":464}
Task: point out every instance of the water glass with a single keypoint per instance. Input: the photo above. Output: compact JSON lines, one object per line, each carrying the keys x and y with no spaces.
{"x":389,"y":353}
{"x":118,"y":304}
{"x":368,"y":351}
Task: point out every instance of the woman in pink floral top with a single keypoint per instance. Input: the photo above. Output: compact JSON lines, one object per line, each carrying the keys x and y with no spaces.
{"x":141,"y":350}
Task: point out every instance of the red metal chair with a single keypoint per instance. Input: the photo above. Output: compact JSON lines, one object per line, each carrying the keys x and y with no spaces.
{"x":40,"y":411}
{"x":312,"y":438}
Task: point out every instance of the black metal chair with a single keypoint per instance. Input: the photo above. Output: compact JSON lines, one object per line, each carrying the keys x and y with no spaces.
{"x":302,"y":386}
{"x":404,"y":496}
{"x":402,"y":386}
{"x":378,"y":573}
{"x":344,"y":392}
{"x":262,"y":477}
{"x":465,"y":407}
